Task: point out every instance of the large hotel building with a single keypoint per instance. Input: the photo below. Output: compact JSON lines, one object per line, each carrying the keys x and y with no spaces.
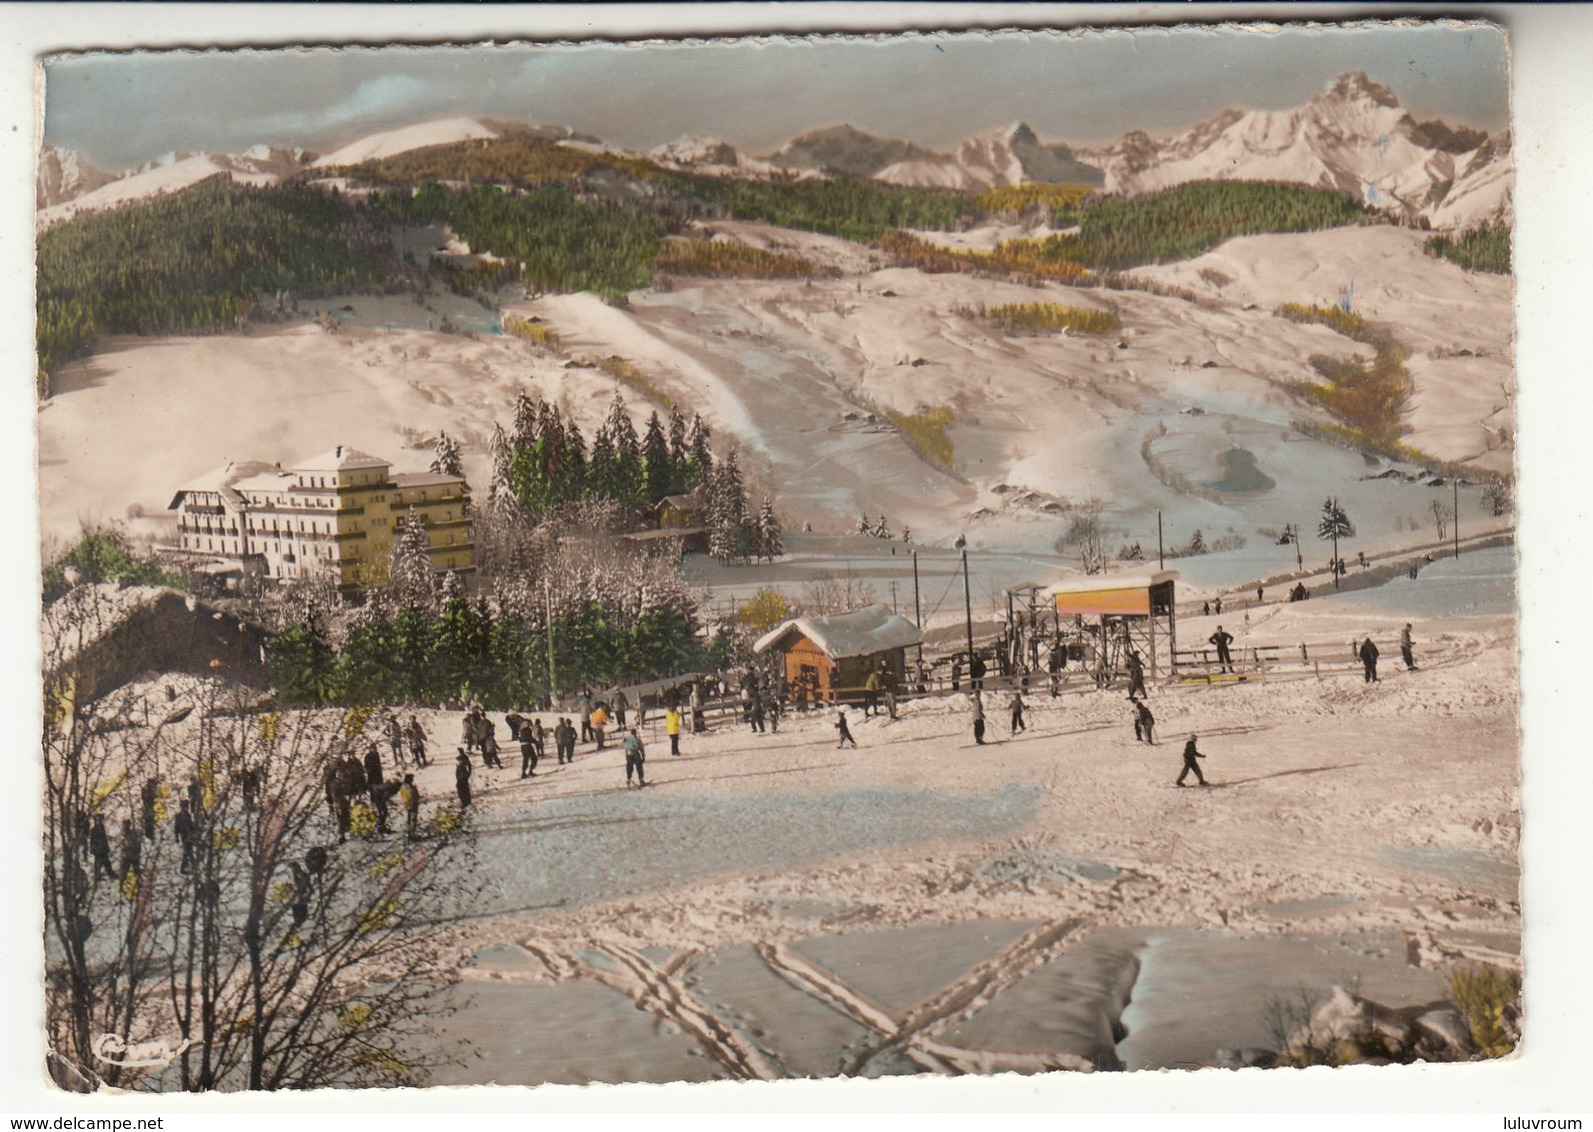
{"x":334,"y":515}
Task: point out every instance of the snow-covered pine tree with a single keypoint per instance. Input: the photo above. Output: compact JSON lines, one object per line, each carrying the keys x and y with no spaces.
{"x":658,"y":471}
{"x":602,"y":470}
{"x":728,"y":512}
{"x":446,"y":460}
{"x":452,"y":588}
{"x":679,"y":449}
{"x":569,"y":477}
{"x":768,"y":540}
{"x":411,"y":581}
{"x":502,"y":489}
{"x":629,"y":481}
{"x":907,"y":534}
{"x":882,"y":529}
{"x":528,"y":415}
{"x":864,"y":527}
{"x":700,"y":465}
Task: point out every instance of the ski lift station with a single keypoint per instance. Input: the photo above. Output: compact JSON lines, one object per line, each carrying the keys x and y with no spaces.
{"x":1125,"y":609}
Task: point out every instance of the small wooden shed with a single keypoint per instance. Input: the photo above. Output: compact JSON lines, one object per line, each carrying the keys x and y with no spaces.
{"x":829,"y":659}
{"x":676,"y":511}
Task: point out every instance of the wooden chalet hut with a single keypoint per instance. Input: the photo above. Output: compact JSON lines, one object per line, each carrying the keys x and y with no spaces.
{"x":831,"y":657}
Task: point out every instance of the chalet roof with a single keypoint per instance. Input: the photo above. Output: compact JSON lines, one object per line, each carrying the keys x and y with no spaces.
{"x":860,"y":633}
{"x":1097,"y":582}
{"x":686,"y":502}
{"x":341,"y":459}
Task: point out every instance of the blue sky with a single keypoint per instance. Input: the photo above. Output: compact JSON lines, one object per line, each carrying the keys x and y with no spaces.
{"x":121,"y":109}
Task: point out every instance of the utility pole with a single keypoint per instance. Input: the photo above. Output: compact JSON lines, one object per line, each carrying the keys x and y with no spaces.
{"x":1161,"y":555}
{"x":893,"y":595}
{"x":1299,"y":556}
{"x":1456,"y":481}
{"x":918,"y":611}
{"x":967,"y":606}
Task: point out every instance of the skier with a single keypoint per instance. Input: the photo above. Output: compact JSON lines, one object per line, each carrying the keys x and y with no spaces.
{"x":1216,"y":606}
{"x":1222,"y":640}
{"x":672,"y":729}
{"x":622,"y":704}
{"x":514,"y":720}
{"x":462,"y":772}
{"x":1190,"y":755}
{"x":976,"y":705}
{"x":844,"y":730}
{"x":976,"y":672}
{"x":468,"y":729}
{"x":698,"y":724}
{"x":1368,"y":655}
{"x":1055,"y":663}
{"x":1016,"y":706}
{"x":1144,"y":722}
{"x":635,"y":759}
{"x":563,"y":740}
{"x":599,"y":720}
{"x":1407,"y":648}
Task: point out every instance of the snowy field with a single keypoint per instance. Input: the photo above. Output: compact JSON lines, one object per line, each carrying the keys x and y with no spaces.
{"x":771,"y":906}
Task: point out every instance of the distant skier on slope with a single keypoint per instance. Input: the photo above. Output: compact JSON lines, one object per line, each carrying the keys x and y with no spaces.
{"x":1190,"y":755}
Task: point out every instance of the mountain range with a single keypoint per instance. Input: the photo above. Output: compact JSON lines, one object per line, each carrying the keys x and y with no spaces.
{"x":1353,"y":137}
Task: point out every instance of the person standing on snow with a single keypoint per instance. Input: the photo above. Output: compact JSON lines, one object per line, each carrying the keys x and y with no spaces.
{"x":1368,"y":654}
{"x":1407,"y":648}
{"x":672,"y":729}
{"x":1017,"y":705}
{"x":1190,"y":755}
{"x":1222,"y":640}
{"x":844,"y":730}
{"x":635,"y":759}
{"x":976,"y":705}
{"x":462,"y":772}
{"x":409,"y":795}
{"x":1136,"y":674}
{"x":100,"y":848}
{"x":528,"y":752}
{"x":417,"y":742}
{"x":1144,"y":722}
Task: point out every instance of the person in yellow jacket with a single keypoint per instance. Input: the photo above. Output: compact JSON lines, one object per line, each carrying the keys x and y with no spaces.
{"x":599,"y":720}
{"x":672,"y":728}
